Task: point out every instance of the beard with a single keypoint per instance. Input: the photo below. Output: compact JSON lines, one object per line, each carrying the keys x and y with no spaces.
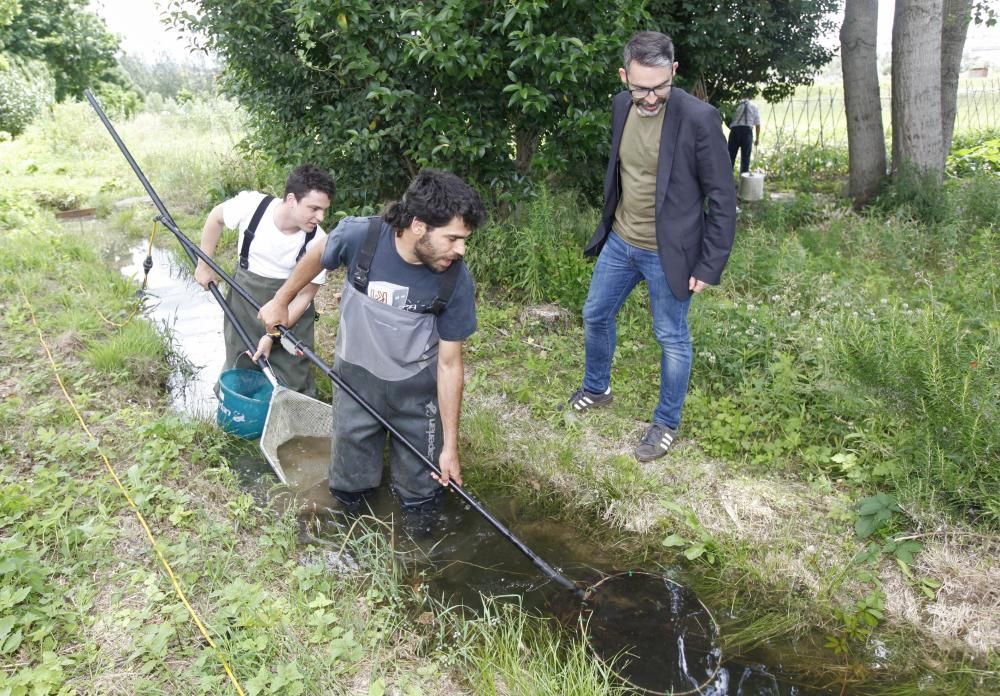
{"x":642,"y":108}
{"x":425,"y":253}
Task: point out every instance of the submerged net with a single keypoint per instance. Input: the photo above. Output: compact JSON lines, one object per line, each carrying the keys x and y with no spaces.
{"x":291,"y":416}
{"x":656,"y":634}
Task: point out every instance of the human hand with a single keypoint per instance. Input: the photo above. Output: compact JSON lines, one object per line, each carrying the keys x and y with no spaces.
{"x":263,"y":347}
{"x":695,"y":285}
{"x":272,"y":314}
{"x":203,"y":275}
{"x":451,"y":469}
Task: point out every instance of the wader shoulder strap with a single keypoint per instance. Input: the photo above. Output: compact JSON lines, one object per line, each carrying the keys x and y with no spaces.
{"x":251,"y":230}
{"x":446,"y":289}
{"x":302,"y":251}
{"x":360,"y":278}
{"x":367,"y":253}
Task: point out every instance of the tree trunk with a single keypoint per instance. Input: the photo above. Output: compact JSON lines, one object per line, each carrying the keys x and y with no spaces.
{"x":525,"y":143}
{"x":955,"y":26}
{"x":865,"y":133}
{"x":916,"y":87}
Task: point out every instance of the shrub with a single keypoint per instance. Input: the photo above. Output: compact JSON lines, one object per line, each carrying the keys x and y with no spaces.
{"x":919,"y":194}
{"x":979,"y":202}
{"x":982,"y":157}
{"x":804,"y":167}
{"x":537,"y":254}
{"x":26,"y":88}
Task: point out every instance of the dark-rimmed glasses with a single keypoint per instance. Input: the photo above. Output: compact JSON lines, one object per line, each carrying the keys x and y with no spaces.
{"x":643,"y":92}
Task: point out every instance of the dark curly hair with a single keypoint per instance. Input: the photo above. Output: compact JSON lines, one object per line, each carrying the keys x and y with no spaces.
{"x":436,"y":197}
{"x":305,"y":178}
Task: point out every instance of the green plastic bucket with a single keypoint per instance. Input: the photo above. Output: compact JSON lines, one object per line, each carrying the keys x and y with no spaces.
{"x":244,"y":398}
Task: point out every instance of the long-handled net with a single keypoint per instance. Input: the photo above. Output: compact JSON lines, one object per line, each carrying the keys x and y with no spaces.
{"x":658,"y":636}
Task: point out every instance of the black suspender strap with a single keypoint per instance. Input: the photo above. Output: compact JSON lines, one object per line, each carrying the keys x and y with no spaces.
{"x":365,"y":256}
{"x":446,"y":289}
{"x":360,"y":278}
{"x":251,"y":230}
{"x":302,"y":251}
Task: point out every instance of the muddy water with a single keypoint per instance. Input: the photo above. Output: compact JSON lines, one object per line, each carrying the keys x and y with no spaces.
{"x":664,"y":635}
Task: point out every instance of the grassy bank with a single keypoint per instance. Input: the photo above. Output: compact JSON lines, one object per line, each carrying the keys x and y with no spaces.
{"x":840,"y":469}
{"x":835,"y":485}
{"x":88,"y":604}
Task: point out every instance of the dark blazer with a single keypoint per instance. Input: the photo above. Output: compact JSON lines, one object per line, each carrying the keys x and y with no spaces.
{"x":695,"y":193}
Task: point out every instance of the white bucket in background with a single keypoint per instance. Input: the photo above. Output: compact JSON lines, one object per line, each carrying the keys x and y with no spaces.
{"x":752,"y":186}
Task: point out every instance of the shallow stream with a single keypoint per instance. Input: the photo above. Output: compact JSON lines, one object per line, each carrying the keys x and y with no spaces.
{"x":461,"y":555}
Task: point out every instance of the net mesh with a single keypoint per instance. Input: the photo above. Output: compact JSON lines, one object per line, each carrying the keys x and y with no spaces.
{"x":293,"y":415}
{"x":656,"y":633}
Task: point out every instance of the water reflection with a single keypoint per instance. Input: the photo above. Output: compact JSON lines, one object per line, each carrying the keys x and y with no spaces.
{"x":194,"y":318}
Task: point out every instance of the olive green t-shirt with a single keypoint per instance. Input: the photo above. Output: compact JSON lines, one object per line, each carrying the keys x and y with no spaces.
{"x":635,"y":217}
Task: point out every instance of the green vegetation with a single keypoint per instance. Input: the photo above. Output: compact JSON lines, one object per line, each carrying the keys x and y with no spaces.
{"x":835,"y":484}
{"x":502,"y":93}
{"x":72,"y":40}
{"x":26,"y":88}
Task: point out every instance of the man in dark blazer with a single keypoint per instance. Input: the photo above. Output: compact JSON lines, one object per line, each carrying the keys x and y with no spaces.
{"x":669,"y":219}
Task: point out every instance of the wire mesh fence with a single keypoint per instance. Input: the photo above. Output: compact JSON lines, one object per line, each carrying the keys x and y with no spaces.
{"x":815,"y":115}
{"x":813,"y":122}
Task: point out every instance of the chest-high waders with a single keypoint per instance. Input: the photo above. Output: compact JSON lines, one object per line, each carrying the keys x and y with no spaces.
{"x":389,"y":356}
{"x":294,"y":372}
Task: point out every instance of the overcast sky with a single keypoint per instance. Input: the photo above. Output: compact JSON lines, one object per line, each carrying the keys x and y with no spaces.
{"x":142,"y":33}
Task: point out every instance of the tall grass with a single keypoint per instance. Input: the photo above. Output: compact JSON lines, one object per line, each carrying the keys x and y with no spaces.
{"x":508,"y":651}
{"x":537,"y":254}
{"x":938,"y":376}
{"x":854,"y":346}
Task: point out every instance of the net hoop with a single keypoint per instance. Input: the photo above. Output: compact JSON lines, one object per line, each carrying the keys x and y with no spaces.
{"x":584,"y":618}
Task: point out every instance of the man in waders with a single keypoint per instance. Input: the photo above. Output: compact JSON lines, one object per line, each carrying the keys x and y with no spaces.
{"x":407,"y":306}
{"x":274,"y":235}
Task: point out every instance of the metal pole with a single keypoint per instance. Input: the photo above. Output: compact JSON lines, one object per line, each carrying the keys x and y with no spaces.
{"x":191,"y":248}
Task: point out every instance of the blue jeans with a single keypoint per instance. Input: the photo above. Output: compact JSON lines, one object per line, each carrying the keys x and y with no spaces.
{"x":620,"y":267}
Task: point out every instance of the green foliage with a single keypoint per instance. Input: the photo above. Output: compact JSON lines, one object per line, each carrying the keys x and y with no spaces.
{"x":980,"y":158}
{"x":26,"y":89}
{"x":938,"y":373}
{"x":70,"y":39}
{"x":249,"y":172}
{"x":916,"y":193}
{"x":978,"y":204}
{"x":857,"y":622}
{"x":375,"y":93}
{"x":536,"y":255}
{"x":116,"y":100}
{"x":8,"y":10}
{"x":169,"y":78}
{"x":16,"y":212}
{"x":495,"y":91}
{"x":513,"y":652}
{"x":747,"y":46}
{"x":804,"y":168}
{"x":873,"y":513}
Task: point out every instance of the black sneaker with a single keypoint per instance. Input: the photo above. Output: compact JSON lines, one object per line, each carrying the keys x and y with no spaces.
{"x":655,"y":443}
{"x":583,"y":399}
